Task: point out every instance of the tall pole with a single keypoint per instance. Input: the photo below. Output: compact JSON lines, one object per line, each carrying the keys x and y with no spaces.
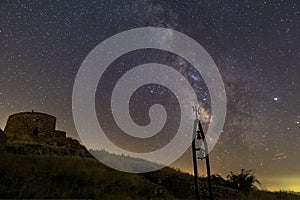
{"x":195,"y":170}
{"x":195,"y":160}
{"x":207,"y":161}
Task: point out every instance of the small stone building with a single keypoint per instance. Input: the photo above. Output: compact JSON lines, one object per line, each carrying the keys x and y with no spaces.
{"x":34,"y":133}
{"x":31,"y":126}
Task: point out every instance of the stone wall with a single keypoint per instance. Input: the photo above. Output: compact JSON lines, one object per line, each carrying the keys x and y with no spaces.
{"x":55,"y":134}
{"x":29,"y":125}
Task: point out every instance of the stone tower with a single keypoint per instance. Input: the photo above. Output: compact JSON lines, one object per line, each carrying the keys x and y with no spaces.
{"x":30,"y":126}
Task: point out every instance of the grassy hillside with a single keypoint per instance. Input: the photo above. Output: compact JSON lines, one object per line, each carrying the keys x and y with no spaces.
{"x":42,"y":176}
{"x":34,"y":176}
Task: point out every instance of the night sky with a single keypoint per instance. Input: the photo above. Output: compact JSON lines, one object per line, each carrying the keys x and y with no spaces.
{"x":255,"y":44}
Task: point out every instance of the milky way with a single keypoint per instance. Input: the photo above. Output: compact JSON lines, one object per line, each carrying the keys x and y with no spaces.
{"x":255,"y":45}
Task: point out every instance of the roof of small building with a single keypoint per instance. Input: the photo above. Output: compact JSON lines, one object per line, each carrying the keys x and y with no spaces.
{"x":32,"y":113}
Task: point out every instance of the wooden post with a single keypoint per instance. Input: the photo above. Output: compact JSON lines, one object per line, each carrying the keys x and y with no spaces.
{"x":195,"y":158}
{"x":207,"y":161}
{"x":195,"y":169}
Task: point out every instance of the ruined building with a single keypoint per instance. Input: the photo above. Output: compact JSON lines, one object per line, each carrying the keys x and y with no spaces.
{"x":32,"y":126}
{"x":34,"y":132}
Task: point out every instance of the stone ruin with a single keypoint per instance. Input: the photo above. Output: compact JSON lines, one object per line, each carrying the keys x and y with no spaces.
{"x":32,"y":126}
{"x":35,"y":133}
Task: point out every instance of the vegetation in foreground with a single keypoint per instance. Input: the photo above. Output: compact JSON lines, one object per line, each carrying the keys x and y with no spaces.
{"x":41,"y":176}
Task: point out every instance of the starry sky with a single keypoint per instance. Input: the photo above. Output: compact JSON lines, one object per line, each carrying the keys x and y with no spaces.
{"x":255,"y":44}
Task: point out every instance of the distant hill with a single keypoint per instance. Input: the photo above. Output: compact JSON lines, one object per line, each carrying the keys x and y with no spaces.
{"x":125,"y":163}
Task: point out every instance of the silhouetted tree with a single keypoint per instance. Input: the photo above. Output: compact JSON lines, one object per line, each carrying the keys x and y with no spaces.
{"x":218,"y":180}
{"x":244,"y":181}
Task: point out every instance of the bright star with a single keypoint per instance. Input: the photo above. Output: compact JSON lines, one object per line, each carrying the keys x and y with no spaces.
{"x":275,"y":98}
